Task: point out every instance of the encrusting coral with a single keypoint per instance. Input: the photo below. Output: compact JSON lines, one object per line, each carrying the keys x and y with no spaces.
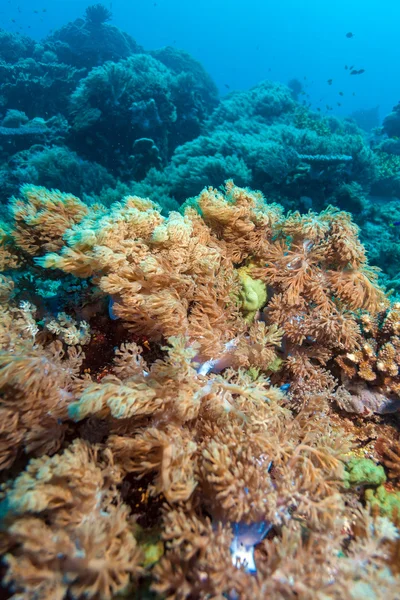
{"x":200,"y":411}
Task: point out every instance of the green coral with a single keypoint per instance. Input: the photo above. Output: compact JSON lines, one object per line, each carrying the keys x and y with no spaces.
{"x":303,"y":119}
{"x":253,"y":294}
{"x":275,"y":365}
{"x":387,"y":502}
{"x":253,"y":373}
{"x":363,"y":471}
{"x":150,"y":544}
{"x":388,"y":164}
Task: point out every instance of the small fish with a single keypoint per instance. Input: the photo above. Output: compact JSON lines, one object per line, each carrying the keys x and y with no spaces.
{"x":341,"y":94}
{"x":346,"y":67}
{"x":352,"y":67}
{"x":36,"y":12}
{"x":228,"y":87}
{"x":13,"y":21}
{"x":338,"y":103}
{"x":349,"y":34}
{"x":318,"y":109}
{"x":353,"y":94}
{"x":330,"y":81}
{"x":395,"y":224}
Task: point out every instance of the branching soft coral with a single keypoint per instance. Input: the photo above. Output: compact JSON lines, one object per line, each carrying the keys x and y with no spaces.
{"x":179,"y":275}
{"x":216,"y":437}
{"x":321,"y":260}
{"x":165,"y":276}
{"x":189,"y":275}
{"x":90,"y":550}
{"x":319,"y":274}
{"x":298,"y":563}
{"x":389,"y":453}
{"x":41,"y":217}
{"x":241,"y":218}
{"x":198,"y":562}
{"x":9,"y":258}
{"x":152,"y":451}
{"x":36,"y":388}
{"x":301,"y":565}
{"x":217,"y":404}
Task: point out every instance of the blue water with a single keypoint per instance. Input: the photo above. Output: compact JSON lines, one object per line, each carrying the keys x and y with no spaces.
{"x":241,"y":43}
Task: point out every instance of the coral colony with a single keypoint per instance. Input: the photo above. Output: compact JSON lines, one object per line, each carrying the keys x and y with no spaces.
{"x":200,"y":441}
{"x":199,"y":360}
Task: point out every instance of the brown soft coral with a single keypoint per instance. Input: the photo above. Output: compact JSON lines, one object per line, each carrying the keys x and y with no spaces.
{"x":167,"y":453}
{"x":9,"y":258}
{"x":319,"y":275}
{"x":322,"y":261}
{"x":41,"y":217}
{"x":165,"y":276}
{"x":66,"y":501}
{"x":221,"y":299}
{"x":181,"y":275}
{"x":198,"y":561}
{"x":216,"y":437}
{"x":241,"y":218}
{"x":36,"y":389}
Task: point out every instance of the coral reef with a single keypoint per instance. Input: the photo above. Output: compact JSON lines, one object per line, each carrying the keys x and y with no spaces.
{"x":102,"y":117}
{"x":176,"y":430}
{"x":391,"y":123}
{"x":107,"y":101}
{"x":268,"y":142}
{"x":199,"y":383}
